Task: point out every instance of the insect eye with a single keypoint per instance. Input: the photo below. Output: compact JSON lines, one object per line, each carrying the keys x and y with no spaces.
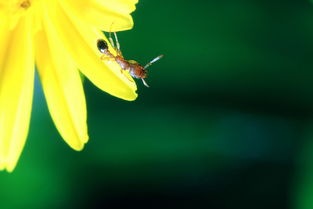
{"x":102,"y":45}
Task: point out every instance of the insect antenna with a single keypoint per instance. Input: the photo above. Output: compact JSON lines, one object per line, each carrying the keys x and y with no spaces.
{"x":153,"y":61}
{"x":144,"y":83}
{"x":118,"y":46}
{"x":110,"y":35}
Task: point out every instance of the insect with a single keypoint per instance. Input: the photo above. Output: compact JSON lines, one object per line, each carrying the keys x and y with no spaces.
{"x":133,"y":67}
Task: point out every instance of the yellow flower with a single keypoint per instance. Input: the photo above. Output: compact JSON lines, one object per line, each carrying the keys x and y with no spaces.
{"x":60,"y":37}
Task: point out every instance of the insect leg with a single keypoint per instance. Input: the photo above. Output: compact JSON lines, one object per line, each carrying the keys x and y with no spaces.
{"x":144,"y":82}
{"x":153,"y":61}
{"x":106,"y":58}
{"x":111,"y":39}
{"x":118,"y":46}
{"x":110,"y":35}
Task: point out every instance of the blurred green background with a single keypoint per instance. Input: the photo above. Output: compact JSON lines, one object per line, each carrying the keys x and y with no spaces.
{"x":227,"y":122}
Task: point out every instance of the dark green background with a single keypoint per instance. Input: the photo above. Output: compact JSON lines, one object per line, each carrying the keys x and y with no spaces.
{"x":227,"y":122}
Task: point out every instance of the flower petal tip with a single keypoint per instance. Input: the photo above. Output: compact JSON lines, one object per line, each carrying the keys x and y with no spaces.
{"x":131,"y":97}
{"x":2,"y":166}
{"x":9,"y":166}
{"x":10,"y":169}
{"x":80,"y":146}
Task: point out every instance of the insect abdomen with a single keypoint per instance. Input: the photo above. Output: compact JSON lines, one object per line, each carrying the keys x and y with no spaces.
{"x":122,"y":62}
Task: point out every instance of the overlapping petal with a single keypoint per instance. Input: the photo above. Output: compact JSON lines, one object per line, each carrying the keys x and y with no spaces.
{"x":64,"y":35}
{"x":80,"y":40}
{"x":62,"y":86}
{"x":108,"y":15}
{"x":16,"y":91}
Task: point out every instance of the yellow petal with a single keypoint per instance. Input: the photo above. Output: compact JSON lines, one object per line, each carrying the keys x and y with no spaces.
{"x":81,"y":42}
{"x":62,"y":87}
{"x":108,"y":15}
{"x":16,"y":91}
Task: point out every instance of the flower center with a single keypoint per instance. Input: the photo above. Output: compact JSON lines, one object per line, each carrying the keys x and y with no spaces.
{"x":15,"y":9}
{"x":25,"y":4}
